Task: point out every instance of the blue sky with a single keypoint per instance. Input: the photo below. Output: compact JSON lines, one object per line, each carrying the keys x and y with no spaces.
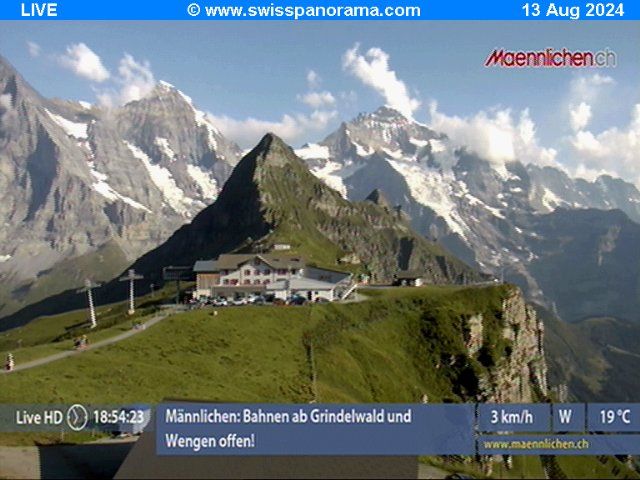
{"x":252,"y":76}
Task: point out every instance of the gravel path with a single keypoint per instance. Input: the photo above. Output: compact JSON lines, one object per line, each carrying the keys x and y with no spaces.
{"x":109,"y":341}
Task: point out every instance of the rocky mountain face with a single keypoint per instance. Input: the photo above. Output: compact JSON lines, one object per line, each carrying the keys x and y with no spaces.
{"x":502,"y":218}
{"x":521,"y":375}
{"x":99,"y":185}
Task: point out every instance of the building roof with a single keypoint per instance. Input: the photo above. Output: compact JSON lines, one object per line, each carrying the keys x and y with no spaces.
{"x":231,"y":261}
{"x":301,"y":284}
{"x":204,"y":266}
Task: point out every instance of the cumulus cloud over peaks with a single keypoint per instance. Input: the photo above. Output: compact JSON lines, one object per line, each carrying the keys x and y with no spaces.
{"x":34,"y":49}
{"x":318,"y":99}
{"x":373,"y":70}
{"x":580,"y":116}
{"x":313,"y":80}
{"x":292,"y":128}
{"x":134,"y":80}
{"x":495,"y":135}
{"x":613,"y":150}
{"x":84,"y":62}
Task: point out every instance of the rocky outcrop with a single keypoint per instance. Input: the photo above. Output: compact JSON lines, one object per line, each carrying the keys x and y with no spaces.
{"x":521,"y":376}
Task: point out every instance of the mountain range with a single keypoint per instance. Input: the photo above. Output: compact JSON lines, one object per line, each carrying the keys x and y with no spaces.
{"x":87,"y":191}
{"x":567,"y":242}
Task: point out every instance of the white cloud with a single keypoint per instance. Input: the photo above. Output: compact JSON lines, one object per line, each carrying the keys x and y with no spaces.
{"x":373,"y":70}
{"x":84,"y":62}
{"x":34,"y":49}
{"x":613,"y":150}
{"x":588,"y":88}
{"x":495,"y":135}
{"x":585,"y":91}
{"x":313,"y":80}
{"x":134,"y":80}
{"x":318,"y":99}
{"x":292,"y":128}
{"x":580,"y":116}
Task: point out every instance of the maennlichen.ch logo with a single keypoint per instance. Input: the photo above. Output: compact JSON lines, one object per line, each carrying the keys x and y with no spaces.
{"x":551,"y":58}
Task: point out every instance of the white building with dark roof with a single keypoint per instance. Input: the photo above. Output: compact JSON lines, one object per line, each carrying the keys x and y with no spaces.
{"x":282,"y":275}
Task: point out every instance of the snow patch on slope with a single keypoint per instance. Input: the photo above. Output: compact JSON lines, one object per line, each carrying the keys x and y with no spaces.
{"x":433,"y":190}
{"x":208,"y":185}
{"x":165,"y":148}
{"x":333,"y":174}
{"x":103,"y":188}
{"x":550,"y":200}
{"x":5,"y":258}
{"x":165,"y":182}
{"x":73,"y":129}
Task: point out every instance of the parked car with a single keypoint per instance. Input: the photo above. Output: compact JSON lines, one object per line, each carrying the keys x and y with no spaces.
{"x":239,"y":301}
{"x":220,"y":302}
{"x":297,"y":300}
{"x":258,"y":300}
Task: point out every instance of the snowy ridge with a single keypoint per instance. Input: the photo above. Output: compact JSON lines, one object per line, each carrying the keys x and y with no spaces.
{"x":200,"y":117}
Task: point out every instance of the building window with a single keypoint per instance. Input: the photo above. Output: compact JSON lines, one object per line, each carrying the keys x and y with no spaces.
{"x":256,"y":282}
{"x":281,"y":280}
{"x":257,"y":272}
{"x":247,"y":272}
{"x":247,"y":282}
{"x":225,"y":282}
{"x":234,"y":282}
{"x":266,"y":282}
{"x":267,"y":272}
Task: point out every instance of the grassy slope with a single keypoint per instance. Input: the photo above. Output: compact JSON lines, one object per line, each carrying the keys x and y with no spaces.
{"x":258,"y":353}
{"x":363,"y":352}
{"x":48,"y":335}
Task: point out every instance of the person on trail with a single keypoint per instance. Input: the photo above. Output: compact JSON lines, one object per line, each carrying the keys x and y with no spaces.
{"x":9,"y":366}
